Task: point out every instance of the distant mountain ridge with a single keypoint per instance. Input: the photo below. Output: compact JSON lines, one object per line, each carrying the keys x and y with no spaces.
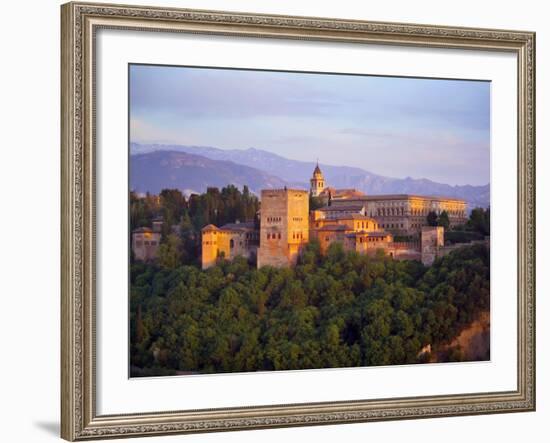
{"x":279,"y":171}
{"x":154,"y":171}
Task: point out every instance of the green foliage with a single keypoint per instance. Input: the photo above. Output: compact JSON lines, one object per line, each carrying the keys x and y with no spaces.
{"x":342,"y":310}
{"x":462,"y":236}
{"x":172,"y":203}
{"x":220,"y":207}
{"x":142,"y":210}
{"x":442,"y":220}
{"x":315,"y":202}
{"x":170,"y":253}
{"x":432,"y":218}
{"x":480,"y":221}
{"x":477,"y":227}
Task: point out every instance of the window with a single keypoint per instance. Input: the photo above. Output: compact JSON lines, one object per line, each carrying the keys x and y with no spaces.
{"x":231,"y":244}
{"x":268,"y":236}
{"x":279,"y":235}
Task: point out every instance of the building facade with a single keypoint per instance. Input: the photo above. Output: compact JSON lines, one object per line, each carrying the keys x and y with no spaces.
{"x":403,"y":214}
{"x":355,"y":232}
{"x":228,"y":241}
{"x":145,"y":244}
{"x":400,"y":214}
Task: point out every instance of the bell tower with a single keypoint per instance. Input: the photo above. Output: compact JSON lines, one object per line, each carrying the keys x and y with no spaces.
{"x":317,"y":182}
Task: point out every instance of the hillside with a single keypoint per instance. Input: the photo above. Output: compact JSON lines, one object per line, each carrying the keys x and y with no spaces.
{"x":154,"y":171}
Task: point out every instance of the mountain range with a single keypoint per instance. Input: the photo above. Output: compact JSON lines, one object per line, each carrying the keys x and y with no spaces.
{"x":154,"y":171}
{"x":193,"y":168}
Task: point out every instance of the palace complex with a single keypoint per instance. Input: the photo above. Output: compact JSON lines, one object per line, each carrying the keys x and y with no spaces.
{"x":362,"y":223}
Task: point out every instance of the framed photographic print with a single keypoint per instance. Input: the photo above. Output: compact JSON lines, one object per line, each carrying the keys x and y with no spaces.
{"x":282,"y":221}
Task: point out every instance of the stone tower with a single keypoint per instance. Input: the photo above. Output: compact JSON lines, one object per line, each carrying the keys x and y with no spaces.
{"x":211,"y":239}
{"x":284,"y":226}
{"x":431,"y":239}
{"x":317,"y":182}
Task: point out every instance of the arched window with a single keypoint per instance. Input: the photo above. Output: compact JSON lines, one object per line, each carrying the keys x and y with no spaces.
{"x":231,"y":244}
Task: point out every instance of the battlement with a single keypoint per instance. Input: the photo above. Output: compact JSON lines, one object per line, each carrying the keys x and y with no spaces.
{"x":284,"y":191}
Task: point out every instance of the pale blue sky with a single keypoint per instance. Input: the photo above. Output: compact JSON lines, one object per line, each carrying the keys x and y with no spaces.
{"x":398,"y":127}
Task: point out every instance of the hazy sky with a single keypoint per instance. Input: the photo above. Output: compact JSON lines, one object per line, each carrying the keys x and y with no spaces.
{"x":398,"y":127}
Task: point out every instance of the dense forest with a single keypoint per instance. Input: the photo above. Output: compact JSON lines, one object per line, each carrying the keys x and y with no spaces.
{"x":338,"y":310}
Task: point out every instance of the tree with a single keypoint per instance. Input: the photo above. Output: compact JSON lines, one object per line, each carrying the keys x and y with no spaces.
{"x":190,"y":240}
{"x":173,"y":203}
{"x":315,"y":202}
{"x":443,"y":220}
{"x":142,"y":210}
{"x":432,"y":218}
{"x":480,"y":221}
{"x":169,"y":254}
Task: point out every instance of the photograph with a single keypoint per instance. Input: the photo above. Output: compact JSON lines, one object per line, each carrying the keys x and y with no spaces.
{"x":284,"y":220}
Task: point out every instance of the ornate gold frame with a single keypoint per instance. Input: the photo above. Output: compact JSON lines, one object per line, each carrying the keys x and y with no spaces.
{"x":79,"y":420}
